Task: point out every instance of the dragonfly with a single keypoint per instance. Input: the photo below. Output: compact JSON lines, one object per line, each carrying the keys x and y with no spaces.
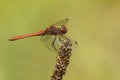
{"x":57,"y":29}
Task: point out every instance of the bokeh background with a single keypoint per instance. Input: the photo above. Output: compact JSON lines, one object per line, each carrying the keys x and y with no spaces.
{"x":95,"y":24}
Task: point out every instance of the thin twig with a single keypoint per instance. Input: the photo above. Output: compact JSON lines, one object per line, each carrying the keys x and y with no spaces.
{"x":62,"y":61}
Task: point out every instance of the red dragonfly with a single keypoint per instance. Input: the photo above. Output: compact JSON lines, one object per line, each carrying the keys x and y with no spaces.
{"x":56,"y":29}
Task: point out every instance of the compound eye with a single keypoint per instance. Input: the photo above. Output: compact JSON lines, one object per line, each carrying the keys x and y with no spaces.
{"x":63,"y":29}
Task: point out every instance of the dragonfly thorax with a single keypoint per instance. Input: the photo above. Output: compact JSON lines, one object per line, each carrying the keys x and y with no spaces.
{"x":53,"y":30}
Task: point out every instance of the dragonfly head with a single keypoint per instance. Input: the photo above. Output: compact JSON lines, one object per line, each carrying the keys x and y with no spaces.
{"x":63,"y":29}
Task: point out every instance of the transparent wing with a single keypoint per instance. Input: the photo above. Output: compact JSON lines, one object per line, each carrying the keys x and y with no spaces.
{"x":61,"y":22}
{"x":47,"y":41}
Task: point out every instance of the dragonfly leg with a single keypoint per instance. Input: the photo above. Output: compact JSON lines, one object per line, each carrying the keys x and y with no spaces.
{"x":65,"y":37}
{"x":53,"y":43}
{"x":60,"y":39}
{"x":69,"y":39}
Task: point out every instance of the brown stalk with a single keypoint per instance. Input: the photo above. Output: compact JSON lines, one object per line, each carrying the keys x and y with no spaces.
{"x":63,"y":58}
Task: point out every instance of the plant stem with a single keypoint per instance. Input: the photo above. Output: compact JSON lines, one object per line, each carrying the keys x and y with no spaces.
{"x":63,"y":58}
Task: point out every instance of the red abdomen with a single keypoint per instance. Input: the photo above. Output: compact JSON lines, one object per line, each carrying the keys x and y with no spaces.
{"x":26,"y":35}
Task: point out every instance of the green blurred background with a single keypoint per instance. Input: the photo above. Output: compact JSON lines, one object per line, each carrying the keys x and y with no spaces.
{"x":95,"y":24}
